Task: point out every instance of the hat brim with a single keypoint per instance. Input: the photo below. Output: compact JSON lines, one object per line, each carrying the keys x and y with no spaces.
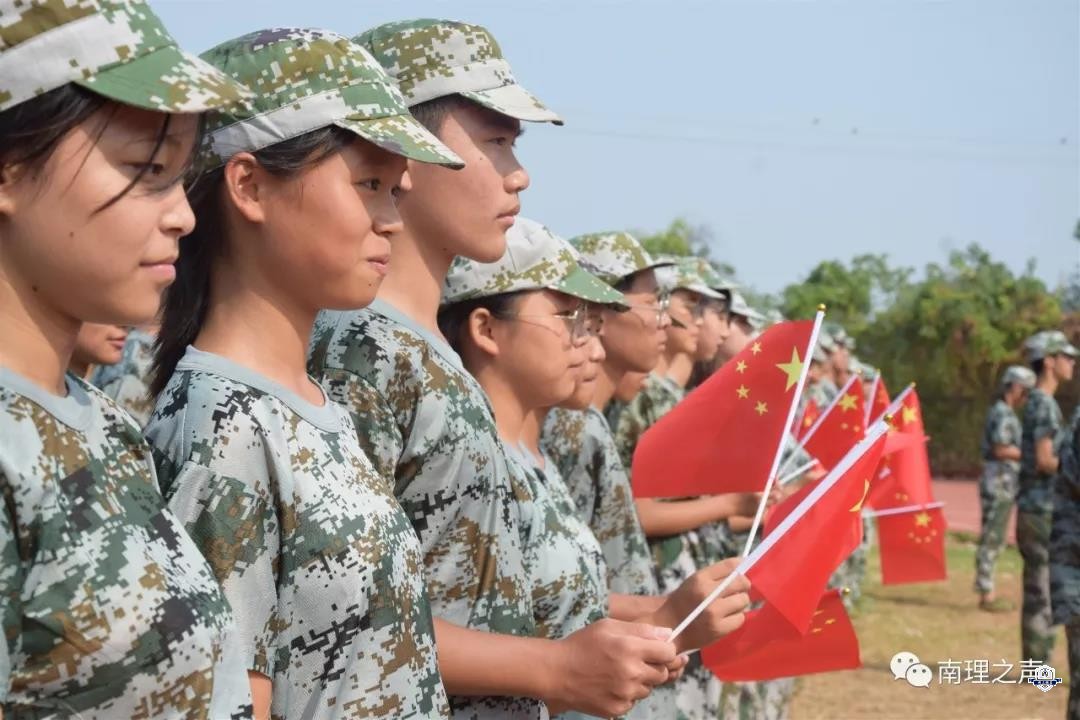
{"x":702,"y":289}
{"x":403,"y":135}
{"x":583,"y":285}
{"x":514,"y":101}
{"x":168,"y":80}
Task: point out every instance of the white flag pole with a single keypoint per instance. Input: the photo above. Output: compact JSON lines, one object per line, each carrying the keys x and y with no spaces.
{"x":820,"y":419}
{"x":796,"y":473}
{"x":905,"y":509}
{"x":873,"y":393}
{"x":794,"y":405}
{"x":896,"y":403}
{"x":826,"y":484}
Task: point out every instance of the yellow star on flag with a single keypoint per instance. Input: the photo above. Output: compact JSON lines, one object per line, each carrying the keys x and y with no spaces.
{"x":761,"y":408}
{"x":756,"y":348}
{"x":743,"y":392}
{"x":792,"y":368}
{"x":740,"y":367}
{"x":909,"y":415}
{"x":922,"y":519}
{"x":848,"y":402}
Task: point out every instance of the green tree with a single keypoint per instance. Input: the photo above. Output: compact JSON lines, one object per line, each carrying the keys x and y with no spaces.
{"x":681,"y":238}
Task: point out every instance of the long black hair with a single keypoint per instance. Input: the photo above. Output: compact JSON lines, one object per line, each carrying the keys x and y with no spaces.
{"x":31,"y":130}
{"x":187,"y":300}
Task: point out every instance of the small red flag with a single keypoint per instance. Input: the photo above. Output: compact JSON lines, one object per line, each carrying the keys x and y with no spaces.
{"x":912,"y":546}
{"x":809,"y":416}
{"x":879,"y":403}
{"x":722,"y":437}
{"x":905,"y":479}
{"x":840,"y":426}
{"x":795,"y":566}
{"x":766,"y":647}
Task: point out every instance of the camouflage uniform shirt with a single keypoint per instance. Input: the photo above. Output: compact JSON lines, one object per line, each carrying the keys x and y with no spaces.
{"x":1065,"y":532}
{"x":429,"y":429}
{"x":1042,"y":419}
{"x":1002,"y":428}
{"x":316,"y":557}
{"x":580,"y":444}
{"x":107,"y":607}
{"x":126,"y":381}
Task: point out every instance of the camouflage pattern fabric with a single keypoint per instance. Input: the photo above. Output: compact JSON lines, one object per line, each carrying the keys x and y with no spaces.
{"x":1065,"y":532}
{"x":997,"y":491}
{"x":686,"y":274}
{"x":126,"y":382}
{"x":305,"y":80}
{"x":582,"y":449}
{"x":116,"y":48}
{"x":822,"y":392}
{"x":1042,"y":419}
{"x":757,"y":700}
{"x":428,"y":427}
{"x":613,"y":256}
{"x":318,"y":561}
{"x":431,"y":58}
{"x":535,"y":259}
{"x":108,"y":609}
{"x":677,"y":557}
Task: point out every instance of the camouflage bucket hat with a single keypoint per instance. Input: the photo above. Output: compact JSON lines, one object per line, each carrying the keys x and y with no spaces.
{"x":535,"y":259}
{"x":306,"y":80}
{"x":682,"y":274}
{"x":615,"y":255}
{"x":432,"y":58}
{"x":116,"y":48}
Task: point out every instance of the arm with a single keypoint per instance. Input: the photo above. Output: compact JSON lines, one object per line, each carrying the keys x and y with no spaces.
{"x":261,"y":693}
{"x":1045,"y":459}
{"x":663,"y":519}
{"x":1006,"y":452}
{"x":600,"y":670}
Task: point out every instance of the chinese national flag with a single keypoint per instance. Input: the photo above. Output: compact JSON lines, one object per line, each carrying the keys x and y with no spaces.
{"x":906,"y":477}
{"x":810,"y":415}
{"x":912,"y":546}
{"x":841,"y":426}
{"x":797,"y":561}
{"x":766,"y":647}
{"x":722,"y":437}
{"x":880,"y":401}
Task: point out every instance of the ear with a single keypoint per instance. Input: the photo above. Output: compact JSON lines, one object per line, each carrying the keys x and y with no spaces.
{"x":245,"y":186}
{"x":10,"y":175}
{"x":482,"y":331}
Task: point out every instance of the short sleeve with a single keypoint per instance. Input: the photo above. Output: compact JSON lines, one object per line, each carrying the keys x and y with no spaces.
{"x":235,"y":525}
{"x":376,"y":424}
{"x":1045,"y":425}
{"x":10,"y":587}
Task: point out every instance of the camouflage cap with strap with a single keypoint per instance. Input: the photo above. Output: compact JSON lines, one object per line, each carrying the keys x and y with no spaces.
{"x":305,"y":80}
{"x":615,"y":255}
{"x":740,"y":307}
{"x":535,"y":259}
{"x":432,"y":58}
{"x":683,"y":274}
{"x":117,"y":48}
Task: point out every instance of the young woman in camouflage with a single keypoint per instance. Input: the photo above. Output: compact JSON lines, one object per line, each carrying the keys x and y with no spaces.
{"x":519,"y":325}
{"x":107,"y":608}
{"x":296,"y":208}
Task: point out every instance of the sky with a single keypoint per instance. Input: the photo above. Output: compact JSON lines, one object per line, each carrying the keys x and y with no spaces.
{"x":794,"y":130}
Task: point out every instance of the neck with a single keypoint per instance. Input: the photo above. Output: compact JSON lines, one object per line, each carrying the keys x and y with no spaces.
{"x":531,"y":428}
{"x":256,"y":327}
{"x":414,"y":283}
{"x":680,"y":368}
{"x":509,"y":410}
{"x":38,"y":340}
{"x":80,"y":369}
{"x":1048,"y":383}
{"x":606,"y":383}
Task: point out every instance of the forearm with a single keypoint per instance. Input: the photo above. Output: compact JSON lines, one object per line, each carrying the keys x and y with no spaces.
{"x":740,"y":523}
{"x":633,"y":607}
{"x":474,"y":662}
{"x":1006,"y":452}
{"x":663,"y":519}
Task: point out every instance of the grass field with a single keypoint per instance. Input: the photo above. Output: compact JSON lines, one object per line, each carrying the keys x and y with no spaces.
{"x":937,"y":622}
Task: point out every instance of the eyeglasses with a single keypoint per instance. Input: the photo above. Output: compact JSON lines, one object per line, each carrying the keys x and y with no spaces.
{"x":660,"y":307}
{"x":576,"y":321}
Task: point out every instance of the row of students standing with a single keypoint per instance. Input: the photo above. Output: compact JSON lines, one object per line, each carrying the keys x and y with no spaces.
{"x":294,"y":545}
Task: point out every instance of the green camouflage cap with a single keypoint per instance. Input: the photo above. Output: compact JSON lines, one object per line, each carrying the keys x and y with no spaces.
{"x":740,"y":307}
{"x":535,"y":259}
{"x":615,"y":255}
{"x":1018,"y":375}
{"x":711,"y":277}
{"x":117,"y":48}
{"x":839,"y":336}
{"x":305,"y":80}
{"x":682,"y":274}
{"x":432,"y":58}
{"x":1046,"y":343}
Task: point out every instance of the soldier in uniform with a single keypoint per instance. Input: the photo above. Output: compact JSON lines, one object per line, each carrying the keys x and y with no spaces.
{"x":1052,"y":359}
{"x":318,"y":560}
{"x":424,"y":420}
{"x":127,"y":381}
{"x":107,"y":609}
{"x":1065,"y":556}
{"x":997,"y":488}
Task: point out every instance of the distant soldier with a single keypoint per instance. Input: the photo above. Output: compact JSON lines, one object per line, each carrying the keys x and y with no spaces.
{"x":1065,"y":556}
{"x":997,"y":488}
